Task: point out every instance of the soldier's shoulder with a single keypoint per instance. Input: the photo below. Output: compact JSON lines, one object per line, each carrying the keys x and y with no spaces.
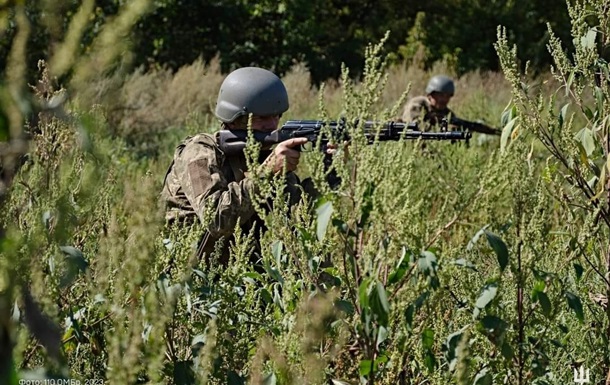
{"x":199,"y":144}
{"x":421,"y":100}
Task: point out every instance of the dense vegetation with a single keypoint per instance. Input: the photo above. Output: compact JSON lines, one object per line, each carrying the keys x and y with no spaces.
{"x":321,"y":33}
{"x":437,"y":263}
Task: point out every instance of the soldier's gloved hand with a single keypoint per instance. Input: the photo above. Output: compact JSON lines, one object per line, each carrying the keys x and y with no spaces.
{"x":285,"y":154}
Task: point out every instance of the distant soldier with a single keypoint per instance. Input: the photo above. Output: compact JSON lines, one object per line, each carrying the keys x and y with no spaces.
{"x":203,"y":183}
{"x":429,"y":110}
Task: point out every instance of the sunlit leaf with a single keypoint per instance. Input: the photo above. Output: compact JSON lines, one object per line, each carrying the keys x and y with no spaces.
{"x":483,"y":377}
{"x":427,"y":263}
{"x":382,"y":335}
{"x":562,"y":114}
{"x":476,"y":237}
{"x":586,"y":137}
{"x":451,"y":348}
{"x":365,"y":367}
{"x":588,"y":41}
{"x":324,"y":213}
{"x":276,"y":251}
{"x":487,"y":295}
{"x":340,"y":382}
{"x":507,"y":133}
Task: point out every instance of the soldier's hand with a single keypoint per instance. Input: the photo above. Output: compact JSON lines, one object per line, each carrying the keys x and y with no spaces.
{"x":284,"y":154}
{"x":332,"y":149}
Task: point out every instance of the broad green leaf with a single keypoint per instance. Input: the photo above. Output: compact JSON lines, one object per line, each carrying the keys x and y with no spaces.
{"x":266,"y":296}
{"x":508,"y":114}
{"x":383,"y":298}
{"x":324,"y":213}
{"x":400,"y":270}
{"x":545,"y":303}
{"x":487,"y":295}
{"x":414,"y":307}
{"x":498,"y":245}
{"x":345,"y":306}
{"x":507,"y":351}
{"x":586,"y":137}
{"x":427,"y":263}
{"x":75,"y":264}
{"x":365,"y":367}
{"x":363,"y":293}
{"x":579,"y":270}
{"x":562,"y":114}
{"x":427,"y":338}
{"x":569,"y":83}
{"x":450,"y":347}
{"x":276,"y":251}
{"x":234,"y":379}
{"x":430,"y":361}
{"x":476,"y":237}
{"x":378,"y":302}
{"x":490,"y":322}
{"x":506,"y":133}
{"x":382,"y":335}
{"x":576,"y":305}
{"x":588,"y":41}
{"x":494,"y":328}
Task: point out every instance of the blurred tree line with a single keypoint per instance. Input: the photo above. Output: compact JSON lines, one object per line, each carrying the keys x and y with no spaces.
{"x":321,"y":33}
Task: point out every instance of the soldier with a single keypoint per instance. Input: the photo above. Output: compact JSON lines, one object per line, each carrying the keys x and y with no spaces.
{"x":202,"y":180}
{"x":432,"y":107}
{"x":429,"y":110}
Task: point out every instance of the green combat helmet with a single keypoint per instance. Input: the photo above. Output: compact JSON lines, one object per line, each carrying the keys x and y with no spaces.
{"x":251,"y":90}
{"x":440,"y":83}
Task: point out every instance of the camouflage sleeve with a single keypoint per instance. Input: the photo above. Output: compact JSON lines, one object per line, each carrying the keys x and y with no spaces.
{"x":415,"y":109}
{"x":219,"y":204}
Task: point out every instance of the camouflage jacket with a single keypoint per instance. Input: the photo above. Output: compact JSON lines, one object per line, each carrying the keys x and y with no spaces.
{"x":418,"y":110}
{"x":203,"y":183}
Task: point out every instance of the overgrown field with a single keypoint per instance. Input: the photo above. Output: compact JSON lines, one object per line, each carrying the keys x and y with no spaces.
{"x":432,"y":262}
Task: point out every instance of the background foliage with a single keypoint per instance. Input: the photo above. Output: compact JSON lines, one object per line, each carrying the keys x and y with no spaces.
{"x":321,"y":34}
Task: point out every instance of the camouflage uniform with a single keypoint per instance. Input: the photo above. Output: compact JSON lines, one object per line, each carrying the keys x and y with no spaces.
{"x":201,"y":179}
{"x":419,"y":110}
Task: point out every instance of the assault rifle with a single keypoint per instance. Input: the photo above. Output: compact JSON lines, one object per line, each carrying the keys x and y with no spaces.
{"x":473,"y":126}
{"x":234,"y":141}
